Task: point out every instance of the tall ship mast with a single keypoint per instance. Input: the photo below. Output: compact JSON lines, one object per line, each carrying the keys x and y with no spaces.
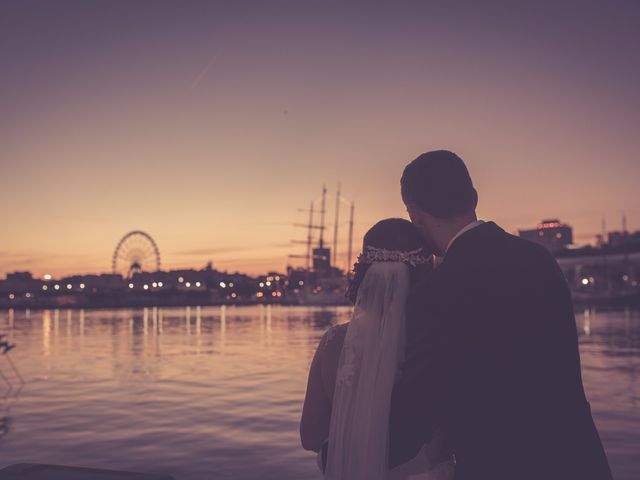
{"x":322,"y":278}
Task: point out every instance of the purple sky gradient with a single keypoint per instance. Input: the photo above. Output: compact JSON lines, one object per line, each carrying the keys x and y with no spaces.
{"x":208,"y":124}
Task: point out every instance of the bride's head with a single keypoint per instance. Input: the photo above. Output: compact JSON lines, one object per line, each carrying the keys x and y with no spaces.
{"x":389,"y":240}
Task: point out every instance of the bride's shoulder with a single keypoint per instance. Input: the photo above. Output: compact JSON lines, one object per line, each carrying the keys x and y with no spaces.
{"x":335,"y":334}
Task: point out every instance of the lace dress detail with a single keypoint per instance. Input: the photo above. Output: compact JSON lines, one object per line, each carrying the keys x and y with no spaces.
{"x":346,"y":373}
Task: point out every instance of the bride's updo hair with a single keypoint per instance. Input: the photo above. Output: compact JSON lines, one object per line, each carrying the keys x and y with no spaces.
{"x":391,"y":234}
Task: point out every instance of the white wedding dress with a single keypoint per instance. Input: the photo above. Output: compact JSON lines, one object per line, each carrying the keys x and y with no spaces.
{"x":373,"y":349}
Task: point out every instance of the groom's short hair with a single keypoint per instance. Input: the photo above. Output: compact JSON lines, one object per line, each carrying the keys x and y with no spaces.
{"x":438,"y":182}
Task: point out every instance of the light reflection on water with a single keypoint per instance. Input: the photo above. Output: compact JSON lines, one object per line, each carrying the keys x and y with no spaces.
{"x":610,"y":350}
{"x":204,"y":392}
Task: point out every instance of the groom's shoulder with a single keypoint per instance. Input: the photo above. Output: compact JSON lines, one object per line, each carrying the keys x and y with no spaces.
{"x":489,"y":254}
{"x":512,"y":261}
{"x":527,"y":251}
{"x":430,"y":288}
{"x":496,"y":243}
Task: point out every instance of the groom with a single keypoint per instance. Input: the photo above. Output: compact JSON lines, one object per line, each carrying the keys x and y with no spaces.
{"x":492,"y":350}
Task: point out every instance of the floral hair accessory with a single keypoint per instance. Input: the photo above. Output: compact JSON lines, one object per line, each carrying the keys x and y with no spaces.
{"x":374,"y":254}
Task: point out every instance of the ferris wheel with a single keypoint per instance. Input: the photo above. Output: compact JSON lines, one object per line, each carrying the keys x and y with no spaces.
{"x":135,"y":252}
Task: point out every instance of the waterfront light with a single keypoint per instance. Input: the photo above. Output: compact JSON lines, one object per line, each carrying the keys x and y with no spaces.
{"x":625,"y":278}
{"x":69,"y":286}
{"x":300,"y":283}
{"x":268,"y":283}
{"x":28,"y":295}
{"x":81,"y":285}
{"x":154,"y":284}
{"x":197,"y":284}
{"x":11,"y":296}
{"x":44,"y":287}
{"x":234,"y":295}
{"x":261,"y":284}
{"x":585,"y":281}
{"x":231,"y":285}
{"x":223,"y":285}
{"x":180,"y":279}
{"x":145,"y":286}
{"x":160,"y":284}
{"x":47,"y":276}
{"x":188,"y":284}
{"x":259,"y":294}
{"x":57,"y":287}
{"x":277,"y":278}
{"x":131,"y":285}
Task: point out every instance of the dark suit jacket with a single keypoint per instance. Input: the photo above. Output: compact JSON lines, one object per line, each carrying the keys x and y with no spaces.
{"x":492,"y":360}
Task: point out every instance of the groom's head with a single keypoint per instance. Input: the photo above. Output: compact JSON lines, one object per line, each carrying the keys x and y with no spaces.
{"x":439,"y":195}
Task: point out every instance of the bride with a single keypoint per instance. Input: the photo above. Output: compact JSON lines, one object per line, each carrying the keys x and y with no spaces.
{"x":345,"y":417}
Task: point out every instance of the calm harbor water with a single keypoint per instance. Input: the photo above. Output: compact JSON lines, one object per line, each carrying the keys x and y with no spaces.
{"x":214,"y":392}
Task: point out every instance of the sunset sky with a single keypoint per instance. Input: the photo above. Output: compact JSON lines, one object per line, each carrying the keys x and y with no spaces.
{"x":209,"y":124}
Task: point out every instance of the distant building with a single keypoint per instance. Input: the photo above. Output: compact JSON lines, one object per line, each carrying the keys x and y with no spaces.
{"x":623,"y":238}
{"x":18,"y":282}
{"x":602,"y":272}
{"x":20,"y":276}
{"x":551,"y":234}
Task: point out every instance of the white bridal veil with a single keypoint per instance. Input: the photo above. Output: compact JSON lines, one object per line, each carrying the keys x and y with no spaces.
{"x":373,"y":348}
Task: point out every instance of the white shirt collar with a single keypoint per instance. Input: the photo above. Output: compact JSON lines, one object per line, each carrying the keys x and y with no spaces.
{"x":463,"y":230}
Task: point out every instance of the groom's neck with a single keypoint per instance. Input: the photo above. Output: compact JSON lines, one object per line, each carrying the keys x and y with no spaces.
{"x":448,"y":229}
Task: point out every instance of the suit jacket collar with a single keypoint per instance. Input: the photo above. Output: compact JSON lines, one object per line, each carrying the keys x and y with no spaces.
{"x":464,"y":230}
{"x":472,"y":239}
